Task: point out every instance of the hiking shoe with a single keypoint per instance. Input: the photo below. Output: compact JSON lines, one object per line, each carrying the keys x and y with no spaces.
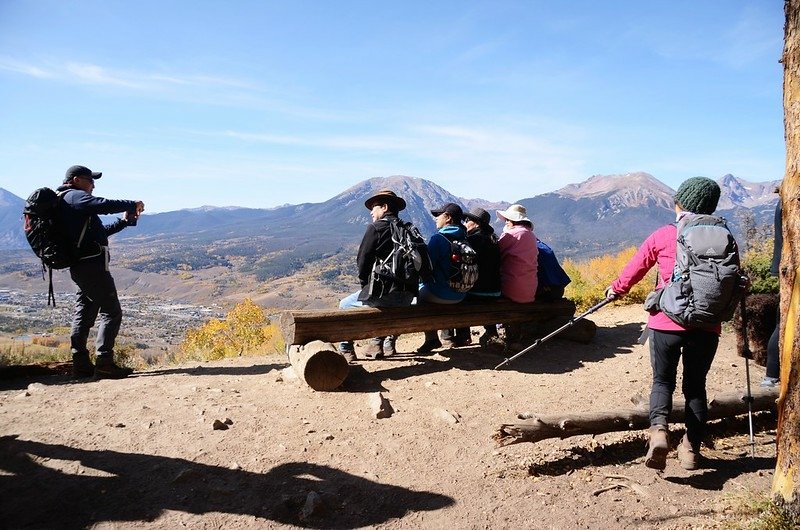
{"x":374,"y":349}
{"x":389,"y":344}
{"x":82,"y":366}
{"x":657,"y":448}
{"x":770,"y":382}
{"x":688,"y":455}
{"x":492,"y":343}
{"x":460,"y":342}
{"x":108,"y":369}
{"x":428,"y":346}
{"x":349,"y":355}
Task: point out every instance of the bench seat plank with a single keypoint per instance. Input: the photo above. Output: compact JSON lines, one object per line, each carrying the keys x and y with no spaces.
{"x":304,"y":326}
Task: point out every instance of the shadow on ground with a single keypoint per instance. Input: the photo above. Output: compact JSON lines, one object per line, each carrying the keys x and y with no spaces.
{"x":555,"y":356}
{"x":56,"y":486}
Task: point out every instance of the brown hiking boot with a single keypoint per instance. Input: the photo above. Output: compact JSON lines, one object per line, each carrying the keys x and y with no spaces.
{"x":657,"y":448}
{"x":688,"y":455}
{"x":108,"y":369}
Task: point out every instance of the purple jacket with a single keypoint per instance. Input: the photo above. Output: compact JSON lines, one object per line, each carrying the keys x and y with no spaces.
{"x":518,"y":264}
{"x":659,"y":248}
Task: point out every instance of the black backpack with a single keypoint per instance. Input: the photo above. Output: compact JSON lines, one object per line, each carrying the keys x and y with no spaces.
{"x":463,"y":265}
{"x":46,"y":234}
{"x":399,"y":274}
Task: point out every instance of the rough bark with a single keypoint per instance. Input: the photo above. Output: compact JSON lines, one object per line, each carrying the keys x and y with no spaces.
{"x":534,"y":428}
{"x":319,"y":365}
{"x":300,"y":327}
{"x":786,"y":484}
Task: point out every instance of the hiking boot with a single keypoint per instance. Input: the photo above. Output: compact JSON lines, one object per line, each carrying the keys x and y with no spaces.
{"x":770,"y":382}
{"x":657,"y":448}
{"x":492,"y":343}
{"x":688,"y":455}
{"x":108,"y":369}
{"x":389,"y":344}
{"x":431,"y":343}
{"x":82,"y":366}
{"x":460,"y":342}
{"x":346,"y":350}
{"x":374,"y":348}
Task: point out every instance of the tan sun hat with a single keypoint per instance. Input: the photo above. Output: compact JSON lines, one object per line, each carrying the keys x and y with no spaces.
{"x":515,"y":212}
{"x":387,"y":196}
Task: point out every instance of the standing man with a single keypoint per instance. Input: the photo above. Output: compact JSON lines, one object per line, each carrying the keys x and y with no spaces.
{"x":376,"y":245}
{"x":97,"y":293}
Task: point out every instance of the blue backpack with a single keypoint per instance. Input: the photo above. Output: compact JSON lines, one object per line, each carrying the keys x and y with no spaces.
{"x":550,"y":273}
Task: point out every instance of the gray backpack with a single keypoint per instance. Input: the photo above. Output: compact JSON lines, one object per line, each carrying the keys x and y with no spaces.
{"x":708,"y":281}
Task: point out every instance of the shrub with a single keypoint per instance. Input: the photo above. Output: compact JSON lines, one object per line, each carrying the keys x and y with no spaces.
{"x":591,"y":278}
{"x":757,"y":261}
{"x":245,"y":330}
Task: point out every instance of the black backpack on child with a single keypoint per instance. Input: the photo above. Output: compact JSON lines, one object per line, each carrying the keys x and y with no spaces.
{"x":46,"y":234}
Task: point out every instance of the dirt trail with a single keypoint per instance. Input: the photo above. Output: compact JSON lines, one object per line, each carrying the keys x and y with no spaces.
{"x":143,"y":452}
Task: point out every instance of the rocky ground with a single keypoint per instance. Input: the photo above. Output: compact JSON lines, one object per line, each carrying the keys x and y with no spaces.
{"x":241,"y":443}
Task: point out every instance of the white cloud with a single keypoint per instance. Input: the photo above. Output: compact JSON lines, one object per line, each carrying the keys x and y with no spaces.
{"x":24,"y":68}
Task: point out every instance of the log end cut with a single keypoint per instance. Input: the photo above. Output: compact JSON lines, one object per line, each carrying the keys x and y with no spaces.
{"x":319,"y":365}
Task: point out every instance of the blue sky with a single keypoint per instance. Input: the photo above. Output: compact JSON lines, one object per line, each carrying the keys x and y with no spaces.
{"x":262,"y":103}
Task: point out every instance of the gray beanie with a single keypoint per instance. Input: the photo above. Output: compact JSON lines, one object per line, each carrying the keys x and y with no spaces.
{"x":698,"y":195}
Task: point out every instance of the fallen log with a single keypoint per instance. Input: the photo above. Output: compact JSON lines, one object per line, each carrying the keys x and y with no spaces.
{"x":534,"y":428}
{"x":319,"y":365}
{"x":300,"y":327}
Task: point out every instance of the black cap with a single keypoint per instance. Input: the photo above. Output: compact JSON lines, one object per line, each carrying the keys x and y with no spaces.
{"x":81,"y":171}
{"x":453,"y":210}
{"x":479,"y":215}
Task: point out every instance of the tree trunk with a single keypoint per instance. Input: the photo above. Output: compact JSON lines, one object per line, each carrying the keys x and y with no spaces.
{"x":300,"y":327}
{"x":534,"y":428}
{"x":319,"y":365}
{"x":786,"y":484}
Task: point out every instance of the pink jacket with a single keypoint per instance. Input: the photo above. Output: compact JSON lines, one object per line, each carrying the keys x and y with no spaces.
{"x":658,"y":248}
{"x":518,"y":264}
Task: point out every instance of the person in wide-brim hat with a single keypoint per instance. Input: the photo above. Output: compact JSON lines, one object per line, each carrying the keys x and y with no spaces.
{"x":389,"y":197}
{"x":515,"y":213}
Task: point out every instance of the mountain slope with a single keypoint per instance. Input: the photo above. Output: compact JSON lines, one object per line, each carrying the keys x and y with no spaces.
{"x":11,"y":234}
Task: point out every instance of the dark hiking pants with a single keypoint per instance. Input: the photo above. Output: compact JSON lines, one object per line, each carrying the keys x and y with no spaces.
{"x":97,"y":294}
{"x":697,"y":348}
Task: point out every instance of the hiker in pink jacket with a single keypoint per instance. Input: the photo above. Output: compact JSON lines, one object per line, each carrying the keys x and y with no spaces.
{"x":668,"y":340}
{"x":518,"y":255}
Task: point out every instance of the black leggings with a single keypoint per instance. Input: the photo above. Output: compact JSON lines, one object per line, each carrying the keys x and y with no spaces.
{"x":697,"y":347}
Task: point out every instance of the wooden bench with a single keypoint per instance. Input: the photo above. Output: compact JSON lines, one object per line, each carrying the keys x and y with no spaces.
{"x":309,"y":335}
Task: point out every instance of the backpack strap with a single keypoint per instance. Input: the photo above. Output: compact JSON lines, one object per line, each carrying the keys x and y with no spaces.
{"x":51,"y":296}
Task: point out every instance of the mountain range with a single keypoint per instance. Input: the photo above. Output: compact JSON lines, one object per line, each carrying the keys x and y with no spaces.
{"x":603,"y":214}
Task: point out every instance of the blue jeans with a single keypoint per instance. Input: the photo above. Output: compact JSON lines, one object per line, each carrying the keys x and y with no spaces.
{"x":697,"y":347}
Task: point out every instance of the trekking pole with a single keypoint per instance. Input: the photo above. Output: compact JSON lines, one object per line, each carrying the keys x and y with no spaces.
{"x":747,"y":354}
{"x":572,"y":321}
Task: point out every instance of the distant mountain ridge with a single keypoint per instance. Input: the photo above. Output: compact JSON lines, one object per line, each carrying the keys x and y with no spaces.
{"x":603,"y":214}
